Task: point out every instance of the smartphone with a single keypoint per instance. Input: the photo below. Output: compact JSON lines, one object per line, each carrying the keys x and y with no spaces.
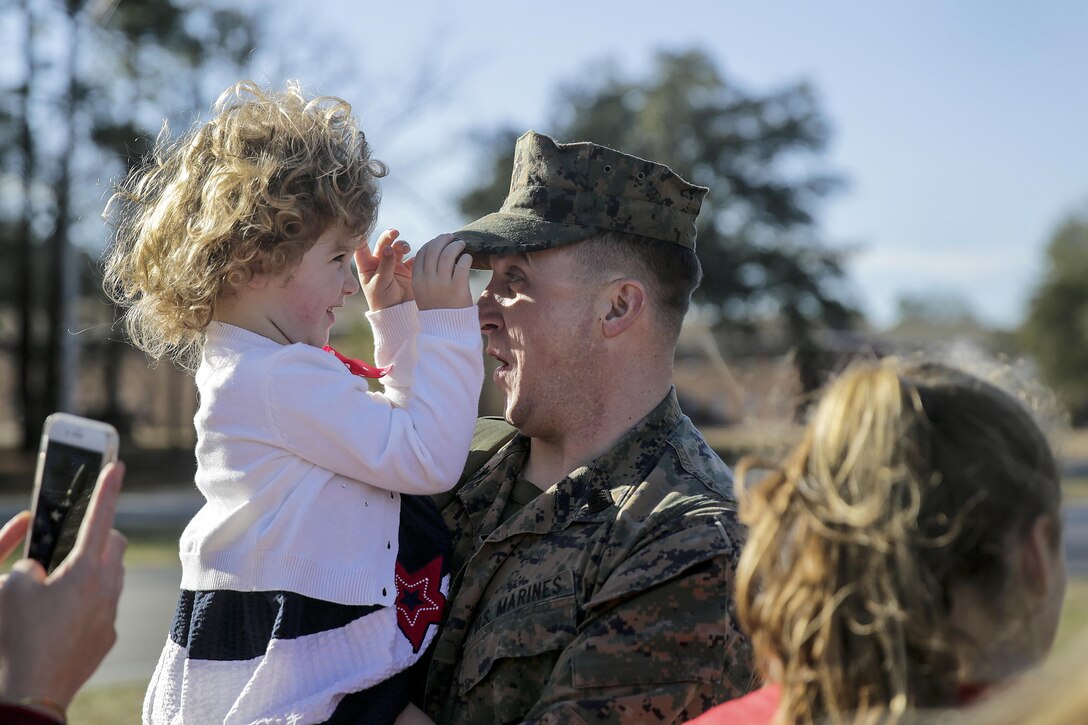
{"x":72,"y":453}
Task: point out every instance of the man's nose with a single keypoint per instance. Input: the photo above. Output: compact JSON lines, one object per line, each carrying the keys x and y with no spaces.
{"x":490,"y":319}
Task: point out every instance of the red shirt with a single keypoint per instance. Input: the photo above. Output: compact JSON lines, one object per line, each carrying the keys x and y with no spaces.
{"x":755,"y":708}
{"x":759,"y":707}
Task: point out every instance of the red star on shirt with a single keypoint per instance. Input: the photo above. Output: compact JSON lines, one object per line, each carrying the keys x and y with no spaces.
{"x":420,"y":601}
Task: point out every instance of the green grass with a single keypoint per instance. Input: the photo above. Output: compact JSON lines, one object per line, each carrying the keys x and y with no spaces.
{"x":108,"y":705}
{"x":152,"y":551}
{"x":1074,"y":611}
{"x":142,"y":551}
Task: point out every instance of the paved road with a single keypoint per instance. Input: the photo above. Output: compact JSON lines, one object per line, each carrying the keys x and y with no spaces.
{"x":1075,"y":534}
{"x":150,"y":593}
{"x":143,"y":619}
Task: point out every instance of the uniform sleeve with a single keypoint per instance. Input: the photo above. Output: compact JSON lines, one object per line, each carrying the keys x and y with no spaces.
{"x":659,"y":642}
{"x":416,"y":444}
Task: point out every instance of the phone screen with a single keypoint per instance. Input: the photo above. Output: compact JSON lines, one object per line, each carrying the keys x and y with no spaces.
{"x":68,"y":477}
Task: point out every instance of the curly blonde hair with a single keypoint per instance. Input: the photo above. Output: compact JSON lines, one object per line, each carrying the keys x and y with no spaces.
{"x":250,"y":190}
{"x":910,"y":480}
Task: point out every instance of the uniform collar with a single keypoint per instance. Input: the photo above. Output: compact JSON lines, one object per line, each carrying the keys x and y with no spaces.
{"x":586,"y":494}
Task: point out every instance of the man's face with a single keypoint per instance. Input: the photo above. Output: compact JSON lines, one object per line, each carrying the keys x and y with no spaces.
{"x":538,"y":315}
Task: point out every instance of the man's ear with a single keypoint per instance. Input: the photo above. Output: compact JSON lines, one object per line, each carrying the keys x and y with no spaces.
{"x":624,"y":302}
{"x":1036,"y":555}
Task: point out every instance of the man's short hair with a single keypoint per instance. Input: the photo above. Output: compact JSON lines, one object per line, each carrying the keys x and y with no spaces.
{"x":670,"y":272}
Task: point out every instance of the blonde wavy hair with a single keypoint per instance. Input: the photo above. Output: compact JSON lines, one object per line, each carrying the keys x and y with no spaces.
{"x":910,"y":479}
{"x":250,"y":190}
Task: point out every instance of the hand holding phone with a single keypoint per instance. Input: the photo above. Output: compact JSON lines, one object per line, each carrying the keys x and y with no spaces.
{"x":73,"y":452}
{"x":55,"y":630}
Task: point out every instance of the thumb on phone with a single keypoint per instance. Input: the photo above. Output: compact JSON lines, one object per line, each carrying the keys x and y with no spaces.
{"x":30,"y":568}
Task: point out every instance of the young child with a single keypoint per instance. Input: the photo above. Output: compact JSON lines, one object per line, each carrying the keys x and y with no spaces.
{"x":309,"y":584}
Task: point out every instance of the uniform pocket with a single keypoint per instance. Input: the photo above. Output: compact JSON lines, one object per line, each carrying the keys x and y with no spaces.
{"x":677,"y":631}
{"x":535,"y":618}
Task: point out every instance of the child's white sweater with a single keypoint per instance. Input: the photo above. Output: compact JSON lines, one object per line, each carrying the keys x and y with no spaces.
{"x":302,"y":466}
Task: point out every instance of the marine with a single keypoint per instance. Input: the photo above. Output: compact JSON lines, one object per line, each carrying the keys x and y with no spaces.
{"x":595,"y":547}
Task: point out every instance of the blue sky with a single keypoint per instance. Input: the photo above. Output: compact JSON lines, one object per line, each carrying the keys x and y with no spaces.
{"x":959,"y":127}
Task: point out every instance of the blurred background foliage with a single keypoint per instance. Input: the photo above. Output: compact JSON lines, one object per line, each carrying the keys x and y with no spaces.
{"x":760,"y":156}
{"x":86,"y":86}
{"x":1055,"y":332}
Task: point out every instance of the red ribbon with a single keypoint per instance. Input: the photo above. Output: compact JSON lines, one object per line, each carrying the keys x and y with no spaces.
{"x":358,"y":367}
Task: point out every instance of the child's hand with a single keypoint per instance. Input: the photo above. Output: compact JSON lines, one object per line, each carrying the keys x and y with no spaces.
{"x":385,"y":277}
{"x":439,"y":276}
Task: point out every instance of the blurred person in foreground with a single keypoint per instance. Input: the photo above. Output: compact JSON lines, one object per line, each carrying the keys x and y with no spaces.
{"x":593,"y":553}
{"x":1056,"y":695}
{"x":55,"y":630}
{"x":907,"y":556}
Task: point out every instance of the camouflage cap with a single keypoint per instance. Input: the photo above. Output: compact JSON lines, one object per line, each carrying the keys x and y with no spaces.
{"x":563,"y":193}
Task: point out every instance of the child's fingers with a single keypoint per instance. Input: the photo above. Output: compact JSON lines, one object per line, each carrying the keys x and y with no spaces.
{"x":365,"y":259}
{"x":461,"y":269}
{"x":387,"y":237}
{"x":385,"y":241}
{"x":400,"y":268}
{"x":420,"y":263}
{"x":382,"y":269}
{"x":13,"y":533}
{"x":431,"y":255}
{"x":405,"y":269}
{"x":448,"y":258}
{"x":386,"y":262}
{"x":401,"y":248}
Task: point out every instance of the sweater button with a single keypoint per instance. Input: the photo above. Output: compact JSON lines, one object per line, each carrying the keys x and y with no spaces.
{"x":383,"y":591}
{"x":389,"y":544}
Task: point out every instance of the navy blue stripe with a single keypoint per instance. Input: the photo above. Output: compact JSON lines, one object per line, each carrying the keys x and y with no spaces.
{"x":227,"y":625}
{"x":378,"y":705}
{"x":423,"y":534}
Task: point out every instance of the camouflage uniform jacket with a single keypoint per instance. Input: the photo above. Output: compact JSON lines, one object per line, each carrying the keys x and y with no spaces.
{"x":605,"y":599}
